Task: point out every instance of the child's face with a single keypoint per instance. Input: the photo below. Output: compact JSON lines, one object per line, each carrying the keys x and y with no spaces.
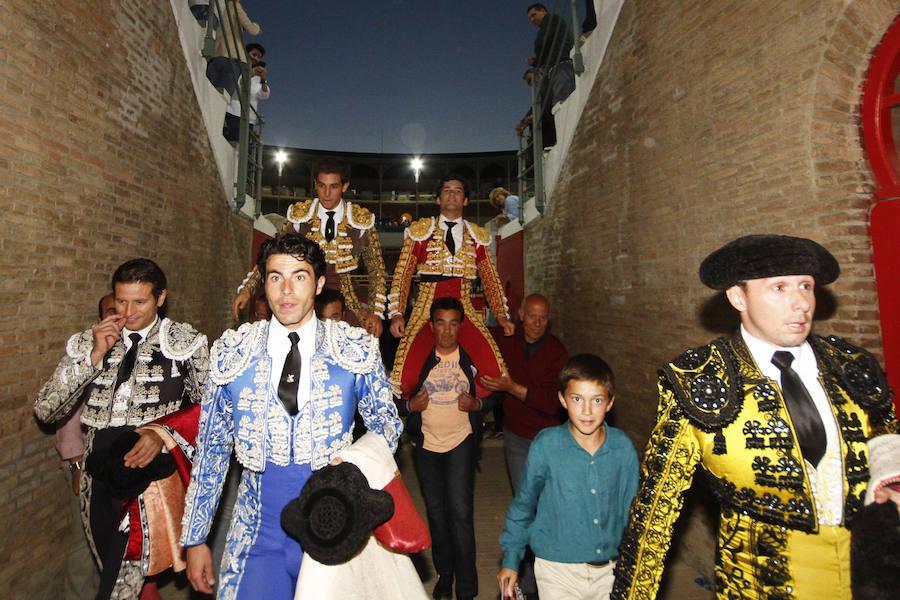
{"x":587,"y":403}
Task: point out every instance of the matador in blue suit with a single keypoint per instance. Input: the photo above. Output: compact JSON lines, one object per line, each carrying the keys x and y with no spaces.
{"x":282,"y":395}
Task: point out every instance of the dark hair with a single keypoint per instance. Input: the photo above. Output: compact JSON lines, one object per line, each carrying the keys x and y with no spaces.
{"x":448,"y":303}
{"x":255,"y":46}
{"x":332,"y":164}
{"x":536,"y":5}
{"x":453,"y":177}
{"x":330,"y":295}
{"x":293,"y":244}
{"x":143,"y":270}
{"x":587,"y":367}
{"x":100,"y":305}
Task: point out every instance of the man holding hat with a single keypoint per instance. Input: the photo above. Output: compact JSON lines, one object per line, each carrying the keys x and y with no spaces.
{"x":282,"y":394}
{"x":777,"y":418}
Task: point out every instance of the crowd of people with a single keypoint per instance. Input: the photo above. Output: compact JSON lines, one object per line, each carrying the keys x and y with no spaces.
{"x":228,"y":21}
{"x":153,"y":421}
{"x":795,"y":433}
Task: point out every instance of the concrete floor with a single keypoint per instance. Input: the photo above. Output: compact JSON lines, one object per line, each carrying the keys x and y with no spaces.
{"x":492,"y":497}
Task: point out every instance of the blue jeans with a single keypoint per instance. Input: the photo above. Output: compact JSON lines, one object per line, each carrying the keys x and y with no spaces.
{"x":562,"y":80}
{"x":447,"y":480}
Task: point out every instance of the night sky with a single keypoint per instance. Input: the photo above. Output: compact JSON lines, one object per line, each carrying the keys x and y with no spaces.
{"x":417,"y":76}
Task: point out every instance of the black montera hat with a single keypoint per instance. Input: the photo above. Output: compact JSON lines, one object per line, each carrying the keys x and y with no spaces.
{"x":759,"y":256}
{"x":105,"y":463}
{"x":335,"y":513}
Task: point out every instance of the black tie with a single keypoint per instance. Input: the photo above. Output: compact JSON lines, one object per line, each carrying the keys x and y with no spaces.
{"x":127,"y":364}
{"x":290,"y":376}
{"x":807,"y":420}
{"x":329,"y":226}
{"x":448,"y":239}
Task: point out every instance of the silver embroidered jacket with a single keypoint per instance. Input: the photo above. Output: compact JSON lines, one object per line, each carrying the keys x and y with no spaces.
{"x":170,"y":368}
{"x":242,"y":412}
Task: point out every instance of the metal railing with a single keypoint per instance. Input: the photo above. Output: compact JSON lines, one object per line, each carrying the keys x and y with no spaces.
{"x":248,"y":180}
{"x":531,"y":148}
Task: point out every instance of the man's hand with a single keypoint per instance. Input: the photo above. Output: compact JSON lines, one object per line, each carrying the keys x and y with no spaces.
{"x":508,"y":326}
{"x":419,"y":402}
{"x":106,"y":333}
{"x":144,"y":450}
{"x":240,"y":301}
{"x":468,"y":402}
{"x":507,"y":578}
{"x":504,"y":383}
{"x":398,"y":326}
{"x":199,"y":568}
{"x":885,"y":494}
{"x":373,"y":324}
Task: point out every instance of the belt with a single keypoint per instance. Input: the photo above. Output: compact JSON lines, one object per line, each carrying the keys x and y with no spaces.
{"x":602,"y":563}
{"x":435,"y":278}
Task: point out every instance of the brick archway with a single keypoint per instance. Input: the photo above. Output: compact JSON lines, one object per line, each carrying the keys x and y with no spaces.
{"x":880,"y":97}
{"x":844,"y":173}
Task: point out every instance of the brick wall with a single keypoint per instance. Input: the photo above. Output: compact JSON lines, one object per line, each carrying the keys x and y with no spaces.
{"x":103,"y":157}
{"x":708,"y":120}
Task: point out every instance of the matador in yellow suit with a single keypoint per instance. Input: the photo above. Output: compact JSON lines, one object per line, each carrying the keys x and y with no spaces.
{"x":776,"y":419}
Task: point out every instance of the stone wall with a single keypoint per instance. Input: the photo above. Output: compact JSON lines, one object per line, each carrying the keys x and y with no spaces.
{"x":707,"y":121}
{"x":103,"y":157}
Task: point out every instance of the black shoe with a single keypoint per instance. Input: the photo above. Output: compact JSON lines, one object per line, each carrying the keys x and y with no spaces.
{"x":443,"y":588}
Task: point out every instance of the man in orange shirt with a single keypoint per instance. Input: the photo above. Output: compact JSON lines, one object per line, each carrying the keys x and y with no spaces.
{"x":444,"y":427}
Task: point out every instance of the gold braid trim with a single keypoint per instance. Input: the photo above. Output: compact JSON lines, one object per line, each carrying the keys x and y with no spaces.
{"x":493,"y":288}
{"x":374,"y":262}
{"x":402,"y":279}
{"x":419,"y":316}
{"x":350,"y":297}
{"x":667,"y":470}
{"x":475,"y":317}
{"x":251,"y":282}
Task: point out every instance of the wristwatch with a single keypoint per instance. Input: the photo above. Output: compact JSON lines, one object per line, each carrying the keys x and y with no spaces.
{"x":76,"y":465}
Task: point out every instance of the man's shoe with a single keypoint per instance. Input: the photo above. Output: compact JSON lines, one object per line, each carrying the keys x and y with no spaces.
{"x":443,"y":589}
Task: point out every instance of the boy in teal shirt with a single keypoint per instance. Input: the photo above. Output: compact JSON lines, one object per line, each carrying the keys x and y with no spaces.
{"x":573,"y":499}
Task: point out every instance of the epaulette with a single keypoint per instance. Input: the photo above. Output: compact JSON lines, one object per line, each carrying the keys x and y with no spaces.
{"x":231,"y":353}
{"x":352,"y":347}
{"x":707,"y":386}
{"x":179,"y":341}
{"x":479,"y":234}
{"x":300,"y":212}
{"x":359,"y":217}
{"x":860,"y":374}
{"x":80,"y":345}
{"x":421,"y":229}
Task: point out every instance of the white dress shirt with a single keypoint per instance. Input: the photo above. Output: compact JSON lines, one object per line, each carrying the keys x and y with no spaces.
{"x":826,"y":479}
{"x":277,"y":347}
{"x":457,"y":232}
{"x":322,"y":213}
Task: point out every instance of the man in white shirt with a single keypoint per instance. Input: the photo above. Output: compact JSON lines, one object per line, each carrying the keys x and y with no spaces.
{"x":138,"y":371}
{"x":282,"y":394}
{"x":777,"y":418}
{"x":447,"y":254}
{"x":259,"y":90}
{"x":346,"y":233}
